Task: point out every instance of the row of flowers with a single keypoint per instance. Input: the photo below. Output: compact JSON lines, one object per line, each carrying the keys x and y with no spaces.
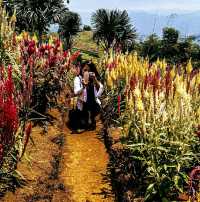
{"x":31,"y":75}
{"x":159,"y":111}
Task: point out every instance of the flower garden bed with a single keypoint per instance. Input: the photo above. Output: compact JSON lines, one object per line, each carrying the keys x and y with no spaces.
{"x":156,"y":154}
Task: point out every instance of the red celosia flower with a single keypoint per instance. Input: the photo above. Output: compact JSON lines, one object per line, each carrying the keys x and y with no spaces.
{"x":133,"y":82}
{"x":65,"y":54}
{"x":8,"y":110}
{"x":74,"y":56}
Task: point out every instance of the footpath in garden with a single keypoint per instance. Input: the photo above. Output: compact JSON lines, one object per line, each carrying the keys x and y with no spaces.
{"x":85,"y":167}
{"x":62,"y":167}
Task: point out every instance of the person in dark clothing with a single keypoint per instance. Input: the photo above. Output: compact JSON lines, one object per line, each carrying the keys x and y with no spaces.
{"x":77,"y":117}
{"x":93,"y":90}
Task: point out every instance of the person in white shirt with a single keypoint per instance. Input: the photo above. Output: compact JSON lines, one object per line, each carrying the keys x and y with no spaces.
{"x":77,"y":121}
{"x":87,"y":89}
{"x":92,"y":90}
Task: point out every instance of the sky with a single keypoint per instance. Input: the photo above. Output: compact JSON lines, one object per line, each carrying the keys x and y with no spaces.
{"x":144,"y":13}
{"x":134,"y":5}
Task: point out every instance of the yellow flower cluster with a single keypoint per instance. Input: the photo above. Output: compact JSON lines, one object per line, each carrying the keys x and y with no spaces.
{"x":7,"y":34}
{"x":155,"y":91}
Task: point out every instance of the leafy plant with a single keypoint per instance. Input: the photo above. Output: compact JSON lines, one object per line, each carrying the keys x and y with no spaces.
{"x":113,"y":29}
{"x":159,"y":122}
{"x":68,"y":27}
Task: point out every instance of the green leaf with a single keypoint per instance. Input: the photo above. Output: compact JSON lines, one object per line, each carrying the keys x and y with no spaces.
{"x":165,"y":200}
{"x":136,"y":145}
{"x":150,"y":192}
{"x":177,"y":182}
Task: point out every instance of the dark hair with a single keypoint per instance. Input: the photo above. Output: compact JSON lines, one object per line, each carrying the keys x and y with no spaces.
{"x":93,"y":68}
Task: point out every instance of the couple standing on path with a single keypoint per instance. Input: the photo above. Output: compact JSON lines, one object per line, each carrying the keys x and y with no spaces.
{"x":87,"y":90}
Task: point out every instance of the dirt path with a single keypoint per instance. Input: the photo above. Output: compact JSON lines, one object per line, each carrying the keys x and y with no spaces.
{"x":40,"y":167}
{"x":85,"y":162}
{"x":75,"y":171}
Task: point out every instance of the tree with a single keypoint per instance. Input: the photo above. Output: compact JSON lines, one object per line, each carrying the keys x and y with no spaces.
{"x":170,"y":44}
{"x":113,"y":29}
{"x":151,"y":47}
{"x":185,"y":49}
{"x":36,"y":15}
{"x":87,"y":28}
{"x":68,"y":27}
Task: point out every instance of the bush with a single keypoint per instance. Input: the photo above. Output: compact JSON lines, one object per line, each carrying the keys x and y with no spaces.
{"x":161,"y":116}
{"x":87,"y":28}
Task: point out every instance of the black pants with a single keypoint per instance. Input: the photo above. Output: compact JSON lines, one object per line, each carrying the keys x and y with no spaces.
{"x":91,"y":111}
{"x":78,"y":119}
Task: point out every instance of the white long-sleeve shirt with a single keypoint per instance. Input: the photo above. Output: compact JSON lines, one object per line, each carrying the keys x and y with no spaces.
{"x":81,"y":92}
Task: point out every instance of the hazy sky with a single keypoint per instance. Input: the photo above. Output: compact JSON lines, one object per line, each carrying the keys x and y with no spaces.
{"x":146,"y":5}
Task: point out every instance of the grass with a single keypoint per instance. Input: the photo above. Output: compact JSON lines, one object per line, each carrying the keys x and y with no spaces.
{"x":89,"y":49}
{"x":84,"y":41}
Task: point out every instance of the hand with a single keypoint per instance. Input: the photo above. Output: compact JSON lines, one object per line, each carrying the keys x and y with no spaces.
{"x":92,"y":74}
{"x":84,"y":83}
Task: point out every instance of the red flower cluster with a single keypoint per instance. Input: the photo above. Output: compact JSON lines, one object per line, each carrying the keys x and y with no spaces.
{"x":1,"y":152}
{"x":8,"y":111}
{"x":112,"y":65}
{"x":74,"y":56}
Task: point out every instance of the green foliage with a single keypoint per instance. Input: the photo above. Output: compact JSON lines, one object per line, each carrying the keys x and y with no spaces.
{"x":163,"y":156}
{"x":113,"y":29}
{"x":151,"y":47}
{"x":170,"y":46}
{"x":68,"y":27}
{"x":87,"y":28}
{"x":36,"y":15}
{"x":174,"y":49}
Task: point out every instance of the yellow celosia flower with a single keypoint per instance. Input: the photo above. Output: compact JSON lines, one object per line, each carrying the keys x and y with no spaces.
{"x":189,"y":67}
{"x":173,"y":73}
{"x":35,"y":38}
{"x":13,"y":19}
{"x":109,"y":82}
{"x":146,"y":94}
{"x":181,"y":90}
{"x":131,"y":103}
{"x":50,"y":40}
{"x":139,"y":104}
{"x":137,"y":92}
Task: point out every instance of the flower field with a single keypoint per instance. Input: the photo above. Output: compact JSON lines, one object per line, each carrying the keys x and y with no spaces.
{"x":154,"y":105}
{"x":31,"y":77}
{"x":158,"y":110}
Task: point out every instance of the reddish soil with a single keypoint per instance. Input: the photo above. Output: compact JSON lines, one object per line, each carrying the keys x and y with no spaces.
{"x":85,"y":173}
{"x":76,"y":172}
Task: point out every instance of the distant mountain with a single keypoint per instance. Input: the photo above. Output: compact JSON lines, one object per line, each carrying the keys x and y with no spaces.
{"x":147,"y":23}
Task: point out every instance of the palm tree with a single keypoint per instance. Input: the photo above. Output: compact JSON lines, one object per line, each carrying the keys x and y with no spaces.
{"x":113,"y":29}
{"x":68,"y":27}
{"x":37,"y":15}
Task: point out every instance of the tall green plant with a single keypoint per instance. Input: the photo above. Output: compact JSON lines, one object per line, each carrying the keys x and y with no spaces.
{"x":68,"y":27}
{"x":113,"y":29}
{"x":36,"y":15}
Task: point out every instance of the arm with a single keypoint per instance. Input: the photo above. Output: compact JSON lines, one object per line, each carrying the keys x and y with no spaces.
{"x":78,"y":87}
{"x":100,"y":90}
